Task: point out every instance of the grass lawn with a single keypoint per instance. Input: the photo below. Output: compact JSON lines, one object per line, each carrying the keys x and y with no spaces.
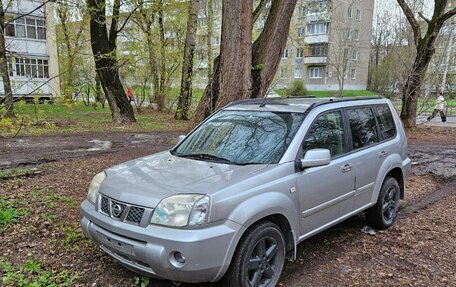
{"x":75,"y":118}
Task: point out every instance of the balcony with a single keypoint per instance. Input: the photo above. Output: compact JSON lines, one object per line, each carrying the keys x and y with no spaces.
{"x":313,"y":39}
{"x":315,"y":60}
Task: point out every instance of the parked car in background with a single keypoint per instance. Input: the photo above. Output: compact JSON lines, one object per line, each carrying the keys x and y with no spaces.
{"x":233,"y":199}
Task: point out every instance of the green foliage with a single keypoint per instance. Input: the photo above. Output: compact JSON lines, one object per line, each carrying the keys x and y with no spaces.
{"x":15,"y":172}
{"x":72,"y":235}
{"x":9,"y":213}
{"x":297,"y":89}
{"x":258,"y":67}
{"x":141,"y":281}
{"x":32,"y":274}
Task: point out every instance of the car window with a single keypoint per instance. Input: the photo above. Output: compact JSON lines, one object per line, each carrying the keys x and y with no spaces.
{"x":327,"y":132}
{"x":242,"y":137}
{"x":363,"y":127}
{"x":385,"y":121}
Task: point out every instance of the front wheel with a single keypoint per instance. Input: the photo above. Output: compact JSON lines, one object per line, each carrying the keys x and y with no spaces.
{"x":259,"y":258}
{"x":384,"y":213}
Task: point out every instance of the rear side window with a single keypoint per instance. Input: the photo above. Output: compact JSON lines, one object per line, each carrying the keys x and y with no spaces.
{"x":385,"y":121}
{"x":327,"y":132}
{"x":363,"y":127}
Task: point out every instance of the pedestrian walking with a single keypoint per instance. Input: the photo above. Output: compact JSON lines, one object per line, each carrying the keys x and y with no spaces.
{"x":130,"y":94}
{"x":440,"y":105}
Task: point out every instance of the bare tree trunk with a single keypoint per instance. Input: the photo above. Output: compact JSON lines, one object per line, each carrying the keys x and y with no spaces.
{"x":104,"y":50}
{"x":235,"y":52}
{"x":4,"y":68}
{"x":265,"y":57}
{"x":187,"y":67}
{"x":425,"y":47}
{"x":268,"y":48}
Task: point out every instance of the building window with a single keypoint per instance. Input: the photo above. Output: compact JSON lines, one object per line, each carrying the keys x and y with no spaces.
{"x":349,"y":11}
{"x":285,"y":54}
{"x":355,"y":54}
{"x":315,"y":72}
{"x":317,"y":28}
{"x":27,"y":27}
{"x":347,"y":33}
{"x":301,"y":31}
{"x":283,"y":72}
{"x":31,"y":68}
{"x":356,"y":34}
{"x":353,"y":74}
{"x":358,"y":14}
{"x":302,"y":11}
{"x":299,"y":53}
{"x":298,"y":72}
{"x":317,"y":50}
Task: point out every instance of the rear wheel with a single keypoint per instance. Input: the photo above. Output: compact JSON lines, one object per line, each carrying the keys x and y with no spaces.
{"x":384,"y":213}
{"x":259,"y":258}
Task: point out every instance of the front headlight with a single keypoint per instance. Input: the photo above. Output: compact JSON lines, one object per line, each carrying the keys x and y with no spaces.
{"x":182,"y":210}
{"x":95,"y":186}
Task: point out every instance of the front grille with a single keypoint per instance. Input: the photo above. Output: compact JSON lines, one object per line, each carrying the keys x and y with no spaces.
{"x":135,"y":214}
{"x":105,"y":204}
{"x":121,"y":211}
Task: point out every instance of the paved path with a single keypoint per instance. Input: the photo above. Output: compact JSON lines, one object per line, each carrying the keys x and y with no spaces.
{"x":436,"y":122}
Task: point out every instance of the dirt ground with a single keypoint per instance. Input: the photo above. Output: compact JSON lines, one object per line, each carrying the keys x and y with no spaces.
{"x":417,"y":251}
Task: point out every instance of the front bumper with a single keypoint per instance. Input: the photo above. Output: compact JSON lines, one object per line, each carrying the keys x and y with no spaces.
{"x":148,"y":251}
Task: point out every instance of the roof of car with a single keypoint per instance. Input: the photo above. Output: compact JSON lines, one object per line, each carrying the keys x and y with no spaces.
{"x":291,"y":104}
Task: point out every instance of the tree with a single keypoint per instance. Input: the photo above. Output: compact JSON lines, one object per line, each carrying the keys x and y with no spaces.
{"x":104,"y":48}
{"x":71,"y":39}
{"x":160,"y":43}
{"x":187,"y":67}
{"x":231,"y":80}
{"x":4,"y":67}
{"x":425,"y":48}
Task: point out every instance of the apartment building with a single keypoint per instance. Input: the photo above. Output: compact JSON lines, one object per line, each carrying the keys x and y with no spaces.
{"x":327,"y":38}
{"x":32,"y":49}
{"x":328,"y":45}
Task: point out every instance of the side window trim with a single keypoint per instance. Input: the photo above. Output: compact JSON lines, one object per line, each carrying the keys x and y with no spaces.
{"x":344,"y":125}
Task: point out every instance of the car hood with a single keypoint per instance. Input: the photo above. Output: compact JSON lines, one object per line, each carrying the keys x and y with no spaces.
{"x":145,"y":181}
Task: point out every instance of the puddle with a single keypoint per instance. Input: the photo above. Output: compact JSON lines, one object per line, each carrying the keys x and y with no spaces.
{"x":100,"y":145}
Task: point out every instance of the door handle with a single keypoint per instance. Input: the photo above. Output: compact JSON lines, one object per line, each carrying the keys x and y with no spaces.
{"x":346,"y":167}
{"x":383,"y":153}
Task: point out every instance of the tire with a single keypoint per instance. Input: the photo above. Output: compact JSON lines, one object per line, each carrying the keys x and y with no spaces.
{"x":251,"y":265}
{"x":384,"y":213}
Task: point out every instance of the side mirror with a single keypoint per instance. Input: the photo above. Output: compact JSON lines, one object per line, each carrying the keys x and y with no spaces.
{"x":180,"y":138}
{"x":315,"y":157}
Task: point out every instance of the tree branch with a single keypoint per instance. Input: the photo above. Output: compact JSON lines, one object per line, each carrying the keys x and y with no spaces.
{"x":424,"y":17}
{"x":412,"y":20}
{"x":258,"y":10}
{"x":447,"y":15}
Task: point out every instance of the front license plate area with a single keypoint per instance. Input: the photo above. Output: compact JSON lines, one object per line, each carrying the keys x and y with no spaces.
{"x":116,"y":245}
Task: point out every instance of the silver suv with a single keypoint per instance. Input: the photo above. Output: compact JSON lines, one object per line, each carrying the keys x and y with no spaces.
{"x":234,"y":197}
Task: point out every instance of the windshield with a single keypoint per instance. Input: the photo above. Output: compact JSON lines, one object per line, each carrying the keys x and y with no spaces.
{"x":242,"y":137}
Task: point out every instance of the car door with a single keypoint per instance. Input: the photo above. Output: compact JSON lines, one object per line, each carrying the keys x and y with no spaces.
{"x":325,"y":193}
{"x":367,"y":155}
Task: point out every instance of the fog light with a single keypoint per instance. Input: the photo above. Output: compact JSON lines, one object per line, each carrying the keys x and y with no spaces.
{"x":179,"y":257}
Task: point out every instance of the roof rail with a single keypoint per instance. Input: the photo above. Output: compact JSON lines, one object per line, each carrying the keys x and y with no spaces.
{"x":280,"y":101}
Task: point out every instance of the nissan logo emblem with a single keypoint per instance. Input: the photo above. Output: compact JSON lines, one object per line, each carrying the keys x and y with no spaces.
{"x":116,"y":210}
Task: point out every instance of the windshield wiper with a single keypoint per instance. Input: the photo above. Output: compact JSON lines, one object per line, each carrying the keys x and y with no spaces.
{"x":206,"y":156}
